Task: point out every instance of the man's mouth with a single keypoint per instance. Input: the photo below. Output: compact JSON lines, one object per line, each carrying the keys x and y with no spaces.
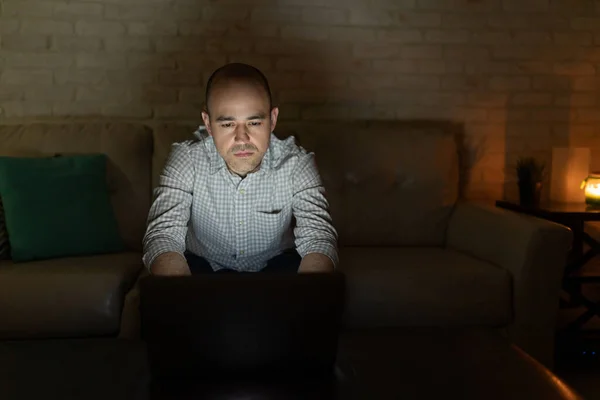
{"x":243,"y":154}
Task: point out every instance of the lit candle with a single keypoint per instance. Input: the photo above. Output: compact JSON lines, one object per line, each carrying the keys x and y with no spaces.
{"x":592,"y":189}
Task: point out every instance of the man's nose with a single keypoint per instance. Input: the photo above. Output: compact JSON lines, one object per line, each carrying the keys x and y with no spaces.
{"x":241,"y":133}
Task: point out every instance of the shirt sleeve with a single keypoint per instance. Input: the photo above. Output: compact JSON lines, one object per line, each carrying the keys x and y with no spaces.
{"x":314,"y":231}
{"x":170,"y":211}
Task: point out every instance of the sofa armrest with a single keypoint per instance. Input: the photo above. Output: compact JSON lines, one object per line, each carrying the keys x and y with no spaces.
{"x":130,"y":315}
{"x":534,"y":251}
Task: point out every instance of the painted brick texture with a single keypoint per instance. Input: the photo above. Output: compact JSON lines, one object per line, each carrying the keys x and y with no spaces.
{"x":521,"y":76}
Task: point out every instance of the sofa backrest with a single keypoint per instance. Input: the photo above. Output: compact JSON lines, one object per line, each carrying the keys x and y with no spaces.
{"x":388,"y":183}
{"x":164,"y":135}
{"x":129,"y":150}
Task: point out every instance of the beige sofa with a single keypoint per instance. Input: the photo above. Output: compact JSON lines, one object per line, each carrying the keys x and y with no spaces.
{"x":414,"y":255}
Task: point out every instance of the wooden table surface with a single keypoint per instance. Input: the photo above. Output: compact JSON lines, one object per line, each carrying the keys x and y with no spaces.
{"x":549,"y":209}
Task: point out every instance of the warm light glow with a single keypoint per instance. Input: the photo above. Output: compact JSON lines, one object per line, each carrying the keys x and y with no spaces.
{"x":592,"y":189}
{"x":569,"y":166}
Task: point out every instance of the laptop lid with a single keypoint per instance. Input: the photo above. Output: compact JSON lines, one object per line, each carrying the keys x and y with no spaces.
{"x":245,"y":324}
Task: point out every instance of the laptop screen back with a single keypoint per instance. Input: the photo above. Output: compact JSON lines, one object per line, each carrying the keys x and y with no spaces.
{"x":245,"y":324}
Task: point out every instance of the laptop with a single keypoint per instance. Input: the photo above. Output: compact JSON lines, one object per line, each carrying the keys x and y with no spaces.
{"x":242,"y":325}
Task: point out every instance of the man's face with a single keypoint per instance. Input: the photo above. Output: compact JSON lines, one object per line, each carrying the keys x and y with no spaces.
{"x":240,"y":122}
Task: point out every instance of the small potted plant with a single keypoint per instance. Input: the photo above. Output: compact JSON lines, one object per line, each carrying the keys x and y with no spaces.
{"x":530,"y":174}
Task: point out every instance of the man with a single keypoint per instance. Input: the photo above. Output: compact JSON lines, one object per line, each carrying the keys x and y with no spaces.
{"x":228,"y":201}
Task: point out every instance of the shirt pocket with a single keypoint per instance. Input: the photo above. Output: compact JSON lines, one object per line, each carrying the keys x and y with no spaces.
{"x":270,"y":213}
{"x":268,"y":205}
{"x":272,"y":220}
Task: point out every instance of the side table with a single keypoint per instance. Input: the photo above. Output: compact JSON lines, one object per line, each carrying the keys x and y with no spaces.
{"x":582,"y":258}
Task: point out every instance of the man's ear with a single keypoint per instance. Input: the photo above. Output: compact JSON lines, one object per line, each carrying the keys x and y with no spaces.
{"x":206,"y":119}
{"x":274,"y":115}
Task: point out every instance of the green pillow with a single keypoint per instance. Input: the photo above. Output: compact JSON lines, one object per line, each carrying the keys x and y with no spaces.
{"x":58,"y":207}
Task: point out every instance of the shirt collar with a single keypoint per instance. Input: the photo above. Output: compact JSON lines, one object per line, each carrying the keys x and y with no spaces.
{"x":217,"y":162}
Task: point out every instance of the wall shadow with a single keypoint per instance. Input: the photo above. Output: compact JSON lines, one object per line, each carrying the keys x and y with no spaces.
{"x":305,"y":67}
{"x":249,"y":34}
{"x":533,"y":130}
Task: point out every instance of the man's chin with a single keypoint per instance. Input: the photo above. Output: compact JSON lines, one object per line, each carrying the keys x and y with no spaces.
{"x":243,"y":168}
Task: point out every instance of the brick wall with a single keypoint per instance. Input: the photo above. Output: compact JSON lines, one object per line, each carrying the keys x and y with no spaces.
{"x":520,"y":74}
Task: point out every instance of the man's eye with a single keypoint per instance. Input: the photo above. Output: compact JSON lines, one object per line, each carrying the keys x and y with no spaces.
{"x":255,"y":123}
{"x":227,"y":125}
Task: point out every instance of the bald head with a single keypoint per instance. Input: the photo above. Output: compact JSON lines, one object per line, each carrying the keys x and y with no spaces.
{"x":237,"y":74}
{"x":239,"y":116}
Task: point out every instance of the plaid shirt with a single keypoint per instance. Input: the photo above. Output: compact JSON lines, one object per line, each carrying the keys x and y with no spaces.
{"x":236,"y":223}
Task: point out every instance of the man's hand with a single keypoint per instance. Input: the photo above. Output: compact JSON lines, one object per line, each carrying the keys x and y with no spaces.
{"x":170,"y":264}
{"x":316,"y":262}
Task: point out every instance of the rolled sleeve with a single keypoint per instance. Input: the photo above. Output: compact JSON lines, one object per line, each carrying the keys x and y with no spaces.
{"x":322,"y":248}
{"x":160,"y":246}
{"x":170,"y":212}
{"x":314,"y":231}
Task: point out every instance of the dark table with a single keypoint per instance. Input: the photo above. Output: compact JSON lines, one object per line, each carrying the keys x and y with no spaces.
{"x":583,"y":265}
{"x":380,"y":364}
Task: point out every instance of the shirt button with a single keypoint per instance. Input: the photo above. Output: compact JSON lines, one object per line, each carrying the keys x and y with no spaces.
{"x":241,"y":251}
{"x":241,"y":222}
{"x":242,"y":191}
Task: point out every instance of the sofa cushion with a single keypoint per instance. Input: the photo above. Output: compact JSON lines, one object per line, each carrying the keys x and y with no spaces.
{"x":58,"y":207}
{"x":387,"y":183}
{"x":129,"y":150}
{"x":12,"y":152}
{"x":4,"y":243}
{"x":423,"y":287}
{"x":65,"y":297}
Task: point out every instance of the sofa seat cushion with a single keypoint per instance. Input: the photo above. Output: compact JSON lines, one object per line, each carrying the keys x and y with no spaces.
{"x":422,"y":286}
{"x":65,"y":297}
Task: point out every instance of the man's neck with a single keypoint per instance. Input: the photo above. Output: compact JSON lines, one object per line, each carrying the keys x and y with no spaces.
{"x":246,"y":174}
